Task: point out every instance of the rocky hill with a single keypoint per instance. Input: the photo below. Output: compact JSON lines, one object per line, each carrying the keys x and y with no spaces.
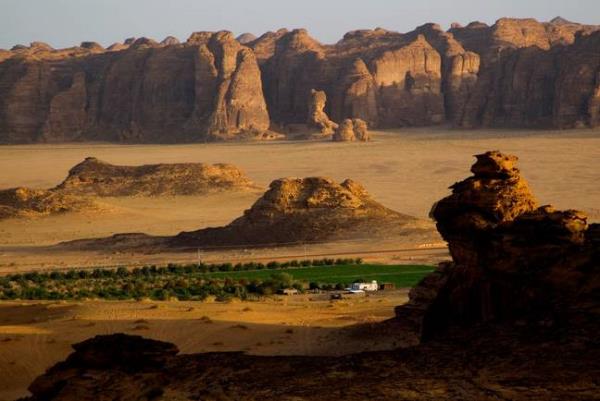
{"x":292,"y":211}
{"x":26,"y":202}
{"x":95,"y":178}
{"x":515,"y":73}
{"x":307,"y":210}
{"x":514,"y":316}
{"x":98,"y":178}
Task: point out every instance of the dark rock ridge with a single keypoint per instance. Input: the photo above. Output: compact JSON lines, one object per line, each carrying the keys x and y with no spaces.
{"x":516,"y":73}
{"x":514,"y":317}
{"x":512,"y":260}
{"x":98,"y":178}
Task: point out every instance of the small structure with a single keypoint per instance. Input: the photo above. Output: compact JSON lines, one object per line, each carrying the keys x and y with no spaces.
{"x":288,"y":291}
{"x":372,"y":286}
{"x":387,"y":286}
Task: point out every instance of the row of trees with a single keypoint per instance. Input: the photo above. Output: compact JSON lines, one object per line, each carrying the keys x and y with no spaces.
{"x":183,"y":282}
{"x":176,"y":269}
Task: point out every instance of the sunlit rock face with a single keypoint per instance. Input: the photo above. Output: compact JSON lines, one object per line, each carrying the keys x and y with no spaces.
{"x":516,"y":73}
{"x":208,"y":88}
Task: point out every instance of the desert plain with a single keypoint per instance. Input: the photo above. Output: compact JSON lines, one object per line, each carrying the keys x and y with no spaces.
{"x":405,"y":170}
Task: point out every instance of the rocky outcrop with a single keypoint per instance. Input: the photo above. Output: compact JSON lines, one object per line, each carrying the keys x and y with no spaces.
{"x":31,"y":203}
{"x":512,"y":260}
{"x":97,"y":178}
{"x":246,"y":38}
{"x":317,"y":118}
{"x":352,"y":130}
{"x":315,"y":209}
{"x":361,"y":130}
{"x":345,"y":132}
{"x":206,"y":89}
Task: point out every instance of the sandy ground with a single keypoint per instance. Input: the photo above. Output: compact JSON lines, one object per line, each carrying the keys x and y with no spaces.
{"x":34,"y":335}
{"x":405,"y":170}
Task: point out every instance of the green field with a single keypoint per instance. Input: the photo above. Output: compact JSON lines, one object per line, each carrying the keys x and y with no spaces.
{"x":401,"y":275}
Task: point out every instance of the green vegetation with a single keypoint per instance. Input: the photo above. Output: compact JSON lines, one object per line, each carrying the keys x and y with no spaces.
{"x":199,"y":281}
{"x":401,"y":275}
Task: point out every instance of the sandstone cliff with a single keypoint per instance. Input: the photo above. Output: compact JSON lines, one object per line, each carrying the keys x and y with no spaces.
{"x":97,"y":178}
{"x":515,"y":73}
{"x":207,"y":88}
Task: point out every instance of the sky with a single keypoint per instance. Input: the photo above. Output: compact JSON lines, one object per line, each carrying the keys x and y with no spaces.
{"x":64,"y":23}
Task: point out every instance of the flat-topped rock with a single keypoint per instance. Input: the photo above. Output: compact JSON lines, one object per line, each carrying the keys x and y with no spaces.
{"x":98,"y":178}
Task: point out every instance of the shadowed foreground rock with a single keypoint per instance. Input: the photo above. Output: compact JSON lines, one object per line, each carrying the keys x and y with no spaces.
{"x":514,"y":317}
{"x":512,"y":260}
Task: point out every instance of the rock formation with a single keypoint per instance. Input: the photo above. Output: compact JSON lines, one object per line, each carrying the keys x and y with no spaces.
{"x":515,"y":73}
{"x":28,"y":203}
{"x":307,"y":210}
{"x":95,"y":178}
{"x":512,"y":260}
{"x":352,"y":130}
{"x":317,"y":118}
{"x":98,"y":178}
{"x":345,"y":132}
{"x":361,"y":130}
{"x":292,"y":211}
{"x":246,"y":38}
{"x":206,"y":89}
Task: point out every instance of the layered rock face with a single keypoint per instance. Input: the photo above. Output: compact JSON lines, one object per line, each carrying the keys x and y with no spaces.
{"x":205,"y":89}
{"x":516,"y":73}
{"x":306,"y":210}
{"x":512,"y":260}
{"x":98,"y":178}
{"x":28,"y":203}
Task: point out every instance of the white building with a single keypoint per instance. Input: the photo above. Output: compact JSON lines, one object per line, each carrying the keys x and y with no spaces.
{"x":372,"y":286}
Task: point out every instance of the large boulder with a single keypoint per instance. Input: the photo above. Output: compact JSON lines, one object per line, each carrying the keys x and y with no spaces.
{"x":345,"y":132}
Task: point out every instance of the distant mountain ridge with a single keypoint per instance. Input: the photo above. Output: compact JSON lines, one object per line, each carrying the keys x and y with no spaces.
{"x":517,"y":73}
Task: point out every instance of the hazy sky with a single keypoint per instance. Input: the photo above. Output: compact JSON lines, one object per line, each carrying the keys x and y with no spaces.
{"x":63,"y":23}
